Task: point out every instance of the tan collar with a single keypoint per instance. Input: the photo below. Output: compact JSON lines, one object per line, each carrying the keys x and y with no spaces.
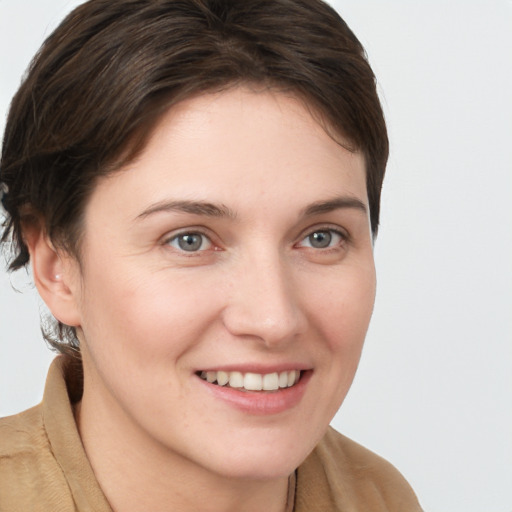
{"x":66,"y":444}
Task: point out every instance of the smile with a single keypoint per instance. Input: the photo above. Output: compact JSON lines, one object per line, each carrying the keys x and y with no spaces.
{"x":252,"y":381}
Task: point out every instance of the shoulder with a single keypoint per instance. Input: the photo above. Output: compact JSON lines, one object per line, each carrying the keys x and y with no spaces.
{"x":29,"y":473}
{"x":21,"y":434}
{"x":338,"y":452}
{"x":348,"y":476}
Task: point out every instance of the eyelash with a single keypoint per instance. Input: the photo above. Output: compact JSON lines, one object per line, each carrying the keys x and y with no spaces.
{"x":339,"y":236}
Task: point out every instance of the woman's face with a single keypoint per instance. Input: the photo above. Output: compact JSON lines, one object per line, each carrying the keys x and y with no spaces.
{"x":236,"y":247}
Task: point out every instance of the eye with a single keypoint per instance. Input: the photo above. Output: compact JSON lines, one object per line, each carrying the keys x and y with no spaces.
{"x":322,"y":239}
{"x":190,"y":242}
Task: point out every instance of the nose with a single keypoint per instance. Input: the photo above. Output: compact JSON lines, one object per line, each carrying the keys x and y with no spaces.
{"x":264,"y":301}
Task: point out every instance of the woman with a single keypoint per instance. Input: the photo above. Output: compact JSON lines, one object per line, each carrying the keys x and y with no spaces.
{"x":196,"y":187}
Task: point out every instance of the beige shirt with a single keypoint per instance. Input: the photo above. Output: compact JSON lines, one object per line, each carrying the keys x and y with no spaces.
{"x":43,"y":467}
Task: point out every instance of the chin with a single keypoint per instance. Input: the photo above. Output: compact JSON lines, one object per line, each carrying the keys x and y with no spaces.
{"x":258,"y":468}
{"x":261,"y":460}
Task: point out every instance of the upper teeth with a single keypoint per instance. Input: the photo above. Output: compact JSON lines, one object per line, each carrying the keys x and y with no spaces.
{"x":253,"y":381}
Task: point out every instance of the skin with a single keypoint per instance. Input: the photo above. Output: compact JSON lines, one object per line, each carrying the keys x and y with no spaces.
{"x":258,"y":292}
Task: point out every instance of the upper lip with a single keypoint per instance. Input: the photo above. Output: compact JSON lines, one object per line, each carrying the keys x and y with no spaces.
{"x":262,"y":369}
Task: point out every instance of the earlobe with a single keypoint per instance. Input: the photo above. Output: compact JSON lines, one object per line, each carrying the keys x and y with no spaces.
{"x":55,"y":275}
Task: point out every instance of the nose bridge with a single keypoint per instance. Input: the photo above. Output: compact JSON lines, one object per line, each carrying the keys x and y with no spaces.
{"x":263,"y":302}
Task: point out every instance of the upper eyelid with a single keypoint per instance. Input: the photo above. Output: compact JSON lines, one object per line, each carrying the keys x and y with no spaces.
{"x":343,"y":232}
{"x":193,"y":230}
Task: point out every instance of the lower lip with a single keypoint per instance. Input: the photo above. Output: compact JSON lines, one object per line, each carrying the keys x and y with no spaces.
{"x":261,"y":402}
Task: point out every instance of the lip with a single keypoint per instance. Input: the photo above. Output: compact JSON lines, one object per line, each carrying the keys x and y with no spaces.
{"x":255,"y":368}
{"x":260,"y":403}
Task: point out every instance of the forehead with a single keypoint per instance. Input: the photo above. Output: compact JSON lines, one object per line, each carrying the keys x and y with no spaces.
{"x":214,"y":145}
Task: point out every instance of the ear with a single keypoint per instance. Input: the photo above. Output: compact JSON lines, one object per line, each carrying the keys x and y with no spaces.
{"x":56,"y":276}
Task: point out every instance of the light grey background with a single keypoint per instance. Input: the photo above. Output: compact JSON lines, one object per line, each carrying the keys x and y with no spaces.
{"x":434,"y":389}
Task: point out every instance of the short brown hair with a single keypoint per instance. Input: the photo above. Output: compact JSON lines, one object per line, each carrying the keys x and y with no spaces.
{"x":101,"y":81}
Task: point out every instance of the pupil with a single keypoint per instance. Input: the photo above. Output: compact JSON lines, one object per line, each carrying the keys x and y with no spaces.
{"x":190,"y":242}
{"x":320,"y":239}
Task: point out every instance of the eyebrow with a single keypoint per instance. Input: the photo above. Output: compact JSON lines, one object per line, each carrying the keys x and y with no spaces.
{"x":335,"y":204}
{"x":220,"y":210}
{"x":193,"y":207}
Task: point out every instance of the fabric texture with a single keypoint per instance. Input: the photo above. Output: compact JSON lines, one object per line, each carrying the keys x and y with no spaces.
{"x":44,"y":468}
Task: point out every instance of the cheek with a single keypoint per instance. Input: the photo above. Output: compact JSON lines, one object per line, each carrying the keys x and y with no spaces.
{"x":340,"y":314}
{"x":143,"y":313}
{"x":344,"y":308}
{"x":343,"y":315}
